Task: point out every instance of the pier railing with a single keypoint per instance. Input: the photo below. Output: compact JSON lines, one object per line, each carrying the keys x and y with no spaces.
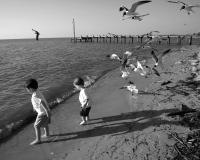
{"x":167,"y":39}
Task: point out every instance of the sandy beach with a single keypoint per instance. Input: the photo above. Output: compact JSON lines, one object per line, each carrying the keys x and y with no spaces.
{"x":122,"y":127}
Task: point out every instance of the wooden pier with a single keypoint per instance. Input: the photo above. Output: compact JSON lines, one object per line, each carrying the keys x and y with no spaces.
{"x":168,"y":39}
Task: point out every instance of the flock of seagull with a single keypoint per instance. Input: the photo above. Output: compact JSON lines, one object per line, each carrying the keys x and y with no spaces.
{"x":132,"y":14}
{"x":129,"y":62}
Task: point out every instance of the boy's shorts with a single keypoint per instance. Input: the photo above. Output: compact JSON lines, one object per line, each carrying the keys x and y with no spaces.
{"x":42,"y":121}
{"x":85,"y":111}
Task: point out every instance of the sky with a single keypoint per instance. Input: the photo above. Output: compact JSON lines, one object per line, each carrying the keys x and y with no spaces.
{"x":53,"y":18}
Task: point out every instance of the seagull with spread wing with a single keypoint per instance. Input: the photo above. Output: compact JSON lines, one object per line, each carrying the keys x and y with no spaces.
{"x":114,"y":56}
{"x":132,"y":10}
{"x":186,"y":7}
{"x":123,"y":61}
{"x":151,"y":38}
{"x":137,"y":17}
{"x":152,"y":35}
{"x":158,"y":59}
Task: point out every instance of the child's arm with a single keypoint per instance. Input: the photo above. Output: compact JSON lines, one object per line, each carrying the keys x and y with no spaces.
{"x":86,"y":103}
{"x":87,"y":100}
{"x":46,"y":108}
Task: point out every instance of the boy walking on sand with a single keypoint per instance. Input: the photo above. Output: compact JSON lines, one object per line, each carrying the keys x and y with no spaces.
{"x":41,"y":106}
{"x":84,"y":100}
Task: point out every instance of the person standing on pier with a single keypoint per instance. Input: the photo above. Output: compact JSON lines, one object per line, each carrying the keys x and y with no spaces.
{"x":37,"y":34}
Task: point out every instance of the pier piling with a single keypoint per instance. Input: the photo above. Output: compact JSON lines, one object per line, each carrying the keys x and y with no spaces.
{"x":179,"y":39}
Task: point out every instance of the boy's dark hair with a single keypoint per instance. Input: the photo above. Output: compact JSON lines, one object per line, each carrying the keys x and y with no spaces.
{"x":31,"y":84}
{"x":78,"y":81}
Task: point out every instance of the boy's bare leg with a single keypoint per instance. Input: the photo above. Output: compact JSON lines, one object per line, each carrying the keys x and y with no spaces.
{"x":83,"y":120}
{"x":38,"y":134}
{"x":87,"y":118}
{"x":46,"y":132}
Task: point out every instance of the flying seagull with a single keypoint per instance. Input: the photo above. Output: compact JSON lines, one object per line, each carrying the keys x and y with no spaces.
{"x":185,"y":6}
{"x":128,"y":53}
{"x":123,"y":61}
{"x":137,"y":17}
{"x":145,"y":46}
{"x":150,"y":34}
{"x":150,"y":39}
{"x":158,"y":59}
{"x":132,"y":10}
{"x":114,"y":56}
{"x":123,"y":68}
{"x":139,"y":69}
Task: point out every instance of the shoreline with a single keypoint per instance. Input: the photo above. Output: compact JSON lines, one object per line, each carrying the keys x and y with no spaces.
{"x":10,"y":129}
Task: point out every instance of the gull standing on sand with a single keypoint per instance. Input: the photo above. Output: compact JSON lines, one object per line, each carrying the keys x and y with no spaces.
{"x":132,"y":10}
{"x":131,"y":87}
{"x":185,"y":6}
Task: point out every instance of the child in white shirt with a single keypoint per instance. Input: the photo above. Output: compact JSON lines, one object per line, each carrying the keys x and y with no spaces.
{"x":84,"y":100}
{"x":41,"y":106}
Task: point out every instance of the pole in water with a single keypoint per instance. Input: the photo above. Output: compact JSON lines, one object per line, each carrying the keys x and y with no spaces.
{"x":74,"y":30}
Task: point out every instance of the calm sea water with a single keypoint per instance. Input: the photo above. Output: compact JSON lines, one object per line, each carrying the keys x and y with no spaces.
{"x":54,"y":63}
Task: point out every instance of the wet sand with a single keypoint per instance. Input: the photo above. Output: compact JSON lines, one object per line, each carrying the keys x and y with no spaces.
{"x":121,"y":126}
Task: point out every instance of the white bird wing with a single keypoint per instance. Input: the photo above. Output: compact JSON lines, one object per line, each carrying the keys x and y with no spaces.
{"x":126,"y":18}
{"x":128,"y":53}
{"x":139,"y":65}
{"x":154,"y":56}
{"x":156,"y":72}
{"x":114,"y":56}
{"x":164,"y":53}
{"x":178,"y":2}
{"x":192,"y":6}
{"x":161,"y":56}
{"x":132,"y":88}
{"x":143,"y":15}
{"x":136,"y":4}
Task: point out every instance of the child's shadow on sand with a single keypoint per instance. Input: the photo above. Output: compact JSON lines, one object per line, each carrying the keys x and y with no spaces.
{"x":114,"y":127}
